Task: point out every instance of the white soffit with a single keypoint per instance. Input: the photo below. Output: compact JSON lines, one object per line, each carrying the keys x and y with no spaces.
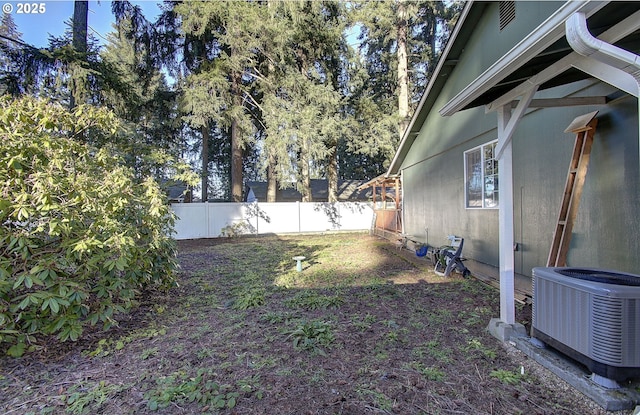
{"x":614,"y":34}
{"x":538,"y":40}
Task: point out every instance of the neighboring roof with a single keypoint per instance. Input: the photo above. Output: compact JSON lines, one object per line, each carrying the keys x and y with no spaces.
{"x":545,"y":46}
{"x":176,"y":191}
{"x":347,"y":191}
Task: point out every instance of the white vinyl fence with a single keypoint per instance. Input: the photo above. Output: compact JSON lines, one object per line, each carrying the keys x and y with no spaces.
{"x":211,"y":220}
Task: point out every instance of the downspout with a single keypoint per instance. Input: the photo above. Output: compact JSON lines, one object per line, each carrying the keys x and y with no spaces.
{"x":585,"y":44}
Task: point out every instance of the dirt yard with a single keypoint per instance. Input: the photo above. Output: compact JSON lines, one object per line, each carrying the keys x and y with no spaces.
{"x":363,"y":329}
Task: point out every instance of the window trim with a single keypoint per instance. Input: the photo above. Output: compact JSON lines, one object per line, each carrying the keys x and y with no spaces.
{"x":482,"y":178}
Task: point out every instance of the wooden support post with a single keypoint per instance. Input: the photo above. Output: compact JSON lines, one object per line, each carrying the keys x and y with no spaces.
{"x":505,"y":218}
{"x":507,"y":122}
{"x":397,"y":205}
{"x":384,"y":196}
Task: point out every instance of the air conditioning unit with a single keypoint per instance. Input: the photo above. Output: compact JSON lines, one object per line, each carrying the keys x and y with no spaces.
{"x":590,"y":315}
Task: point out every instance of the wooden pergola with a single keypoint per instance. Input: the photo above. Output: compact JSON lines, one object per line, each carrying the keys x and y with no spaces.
{"x":388,"y":216}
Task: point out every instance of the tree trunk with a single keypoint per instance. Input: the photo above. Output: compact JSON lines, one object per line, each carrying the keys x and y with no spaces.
{"x":332,"y":175}
{"x":79,"y":42}
{"x":272,"y":160}
{"x":236,"y":163}
{"x":205,"y":163}
{"x":403,"y":78}
{"x":303,"y":166}
{"x":272,"y":181}
{"x":236,"y":149}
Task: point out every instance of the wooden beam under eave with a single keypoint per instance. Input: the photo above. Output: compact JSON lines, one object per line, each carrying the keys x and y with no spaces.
{"x":564,"y":102}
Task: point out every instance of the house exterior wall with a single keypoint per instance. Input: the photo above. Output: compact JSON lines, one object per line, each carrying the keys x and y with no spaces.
{"x":607,"y":231}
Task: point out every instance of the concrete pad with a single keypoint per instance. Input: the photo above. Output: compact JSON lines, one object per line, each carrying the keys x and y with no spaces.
{"x":627,"y":397}
{"x":505,"y":332}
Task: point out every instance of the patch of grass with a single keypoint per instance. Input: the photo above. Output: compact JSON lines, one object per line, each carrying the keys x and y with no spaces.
{"x":440,"y":317}
{"x":276,"y":317}
{"x":433,"y":349}
{"x":80,"y":400}
{"x":205,"y":353}
{"x":107,"y":346}
{"x":378,"y":399}
{"x":476,"y":316}
{"x":249,"y":298}
{"x":258,"y":361}
{"x":312,"y":300}
{"x":251,"y":385}
{"x":472,"y":286}
{"x":475,"y":345}
{"x":391,"y":336}
{"x":429,"y":372}
{"x":147,"y":353}
{"x":363,"y":323}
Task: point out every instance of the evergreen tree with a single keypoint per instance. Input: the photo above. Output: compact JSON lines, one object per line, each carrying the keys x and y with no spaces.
{"x":10,"y":44}
{"x":218,"y":90}
{"x":80,"y":47}
{"x":400,"y":47}
{"x":301,"y":105}
{"x":141,"y":98}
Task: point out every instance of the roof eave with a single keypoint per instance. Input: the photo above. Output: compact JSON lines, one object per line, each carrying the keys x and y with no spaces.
{"x":538,"y":40}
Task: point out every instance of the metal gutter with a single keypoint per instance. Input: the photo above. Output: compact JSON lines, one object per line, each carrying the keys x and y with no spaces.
{"x":585,"y":44}
{"x":619,"y":31}
{"x":537,"y":41}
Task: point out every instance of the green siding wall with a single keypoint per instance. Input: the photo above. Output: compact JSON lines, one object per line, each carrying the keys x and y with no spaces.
{"x":607,"y":231}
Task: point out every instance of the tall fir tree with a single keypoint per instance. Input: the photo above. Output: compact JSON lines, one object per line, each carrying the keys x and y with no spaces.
{"x":79,"y":42}
{"x":218,"y":91}
{"x":400,"y":46}
{"x":140,"y":96}
{"x":11,"y":78}
{"x":301,"y":107}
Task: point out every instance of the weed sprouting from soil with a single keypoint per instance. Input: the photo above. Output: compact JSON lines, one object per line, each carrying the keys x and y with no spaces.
{"x":312,"y":336}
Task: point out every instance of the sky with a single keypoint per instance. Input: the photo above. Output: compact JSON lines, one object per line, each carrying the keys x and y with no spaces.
{"x":49,"y":17}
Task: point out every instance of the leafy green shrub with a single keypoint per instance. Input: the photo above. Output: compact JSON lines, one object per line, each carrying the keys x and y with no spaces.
{"x":312,"y":336}
{"x":79,"y":235}
{"x":180,"y":388}
{"x":250,"y":297}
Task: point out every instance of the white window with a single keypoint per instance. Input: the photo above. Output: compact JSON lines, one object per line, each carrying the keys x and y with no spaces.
{"x":481,"y":177}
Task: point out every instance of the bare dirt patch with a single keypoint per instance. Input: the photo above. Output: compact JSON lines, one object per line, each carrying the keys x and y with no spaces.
{"x":362,"y":329}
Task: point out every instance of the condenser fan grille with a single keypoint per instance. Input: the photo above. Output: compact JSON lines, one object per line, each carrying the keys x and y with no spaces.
{"x":605,"y":277}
